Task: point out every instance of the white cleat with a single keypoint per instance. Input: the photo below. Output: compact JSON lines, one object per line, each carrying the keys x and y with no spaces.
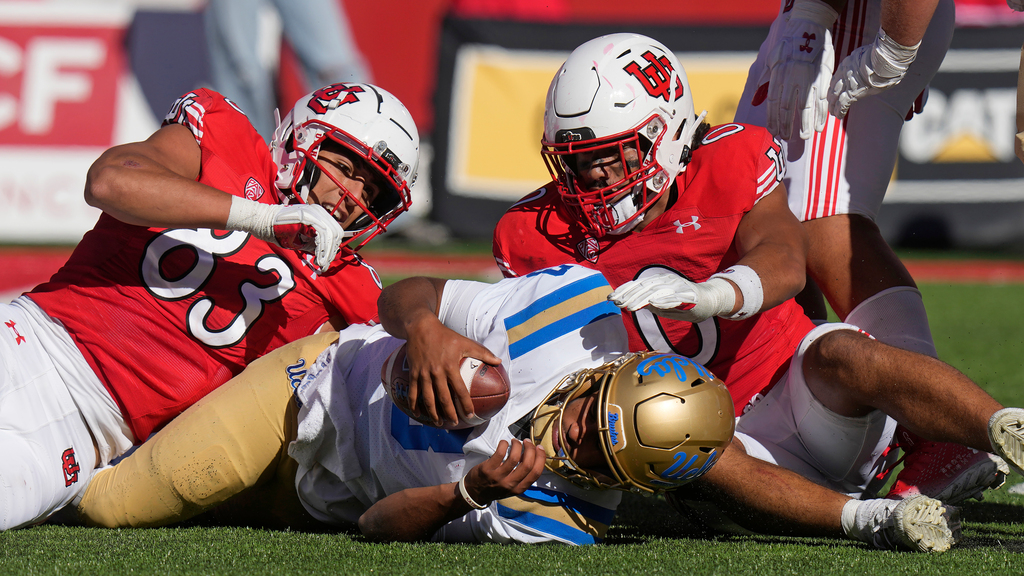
{"x":1006,"y":432}
{"x":926,"y":525}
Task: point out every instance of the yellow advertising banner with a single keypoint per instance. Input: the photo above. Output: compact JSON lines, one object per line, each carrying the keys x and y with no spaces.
{"x":497,"y":112}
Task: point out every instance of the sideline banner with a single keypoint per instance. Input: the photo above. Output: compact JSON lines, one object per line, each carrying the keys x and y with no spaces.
{"x":493,"y":78}
{"x":65,"y":96}
{"x":77,"y":77}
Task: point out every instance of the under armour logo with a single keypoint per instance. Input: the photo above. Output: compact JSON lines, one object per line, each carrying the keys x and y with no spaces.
{"x":71,"y":467}
{"x":18,"y":338}
{"x":807,"y":42}
{"x":681,"y":225}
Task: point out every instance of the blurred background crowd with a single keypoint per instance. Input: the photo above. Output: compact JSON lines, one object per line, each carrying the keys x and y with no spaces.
{"x":78,"y":76}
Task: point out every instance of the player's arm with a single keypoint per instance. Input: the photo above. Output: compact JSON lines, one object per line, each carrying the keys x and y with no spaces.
{"x":762,"y":497}
{"x":771,"y":241}
{"x":408,"y":309}
{"x":772,"y":247}
{"x":418,"y":513}
{"x":153,"y":183}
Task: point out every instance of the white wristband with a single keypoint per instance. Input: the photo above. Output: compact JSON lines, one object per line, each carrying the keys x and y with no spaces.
{"x":253,"y":217}
{"x":890,"y":59}
{"x":469,"y":499}
{"x":814,"y":11}
{"x":749,"y":283}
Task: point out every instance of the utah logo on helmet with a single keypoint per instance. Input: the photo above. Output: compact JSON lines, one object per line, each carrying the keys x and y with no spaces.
{"x":323,"y":98}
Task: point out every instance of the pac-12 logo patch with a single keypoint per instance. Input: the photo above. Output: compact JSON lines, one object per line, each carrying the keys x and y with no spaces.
{"x":588,"y":249}
{"x":253,"y":189}
{"x":71,"y":467}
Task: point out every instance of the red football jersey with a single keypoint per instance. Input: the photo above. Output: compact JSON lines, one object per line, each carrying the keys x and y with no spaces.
{"x":165,"y":316}
{"x":729,"y":173}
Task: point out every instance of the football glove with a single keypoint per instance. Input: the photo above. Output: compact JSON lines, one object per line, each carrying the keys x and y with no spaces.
{"x":665,"y":293}
{"x":869,"y":70}
{"x":801,"y":71}
{"x":305,"y":227}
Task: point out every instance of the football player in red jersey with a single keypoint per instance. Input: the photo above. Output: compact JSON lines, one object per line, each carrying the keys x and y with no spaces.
{"x":692,"y":228}
{"x":212,"y":250}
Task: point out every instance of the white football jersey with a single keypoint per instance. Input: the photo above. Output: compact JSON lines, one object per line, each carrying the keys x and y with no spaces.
{"x":355,"y":447}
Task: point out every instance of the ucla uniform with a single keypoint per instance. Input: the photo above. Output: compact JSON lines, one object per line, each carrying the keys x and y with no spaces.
{"x":355,"y":447}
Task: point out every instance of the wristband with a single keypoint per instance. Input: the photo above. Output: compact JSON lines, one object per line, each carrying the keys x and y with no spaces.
{"x":814,"y":11}
{"x":890,"y":59}
{"x":252,"y":217}
{"x":749,"y":283}
{"x":465,"y":495}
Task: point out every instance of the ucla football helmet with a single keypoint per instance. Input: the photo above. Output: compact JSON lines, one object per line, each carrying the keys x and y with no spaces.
{"x":369,"y":122}
{"x":624,"y":97}
{"x":663,"y":419}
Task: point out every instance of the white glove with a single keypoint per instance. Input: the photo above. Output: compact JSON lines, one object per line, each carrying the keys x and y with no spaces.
{"x":1017,"y":5}
{"x":664,"y":293}
{"x":801,"y":71}
{"x":869,"y":70}
{"x":305,"y":227}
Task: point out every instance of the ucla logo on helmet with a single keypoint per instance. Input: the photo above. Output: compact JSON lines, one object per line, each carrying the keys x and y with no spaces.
{"x":664,"y":364}
{"x":615,"y":433}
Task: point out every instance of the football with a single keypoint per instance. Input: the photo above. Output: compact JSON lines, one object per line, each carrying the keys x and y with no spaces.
{"x":488,"y":387}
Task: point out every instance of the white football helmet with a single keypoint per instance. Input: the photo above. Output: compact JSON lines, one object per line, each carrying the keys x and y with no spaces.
{"x":368,"y":121}
{"x":618,"y":94}
{"x":664,"y":421}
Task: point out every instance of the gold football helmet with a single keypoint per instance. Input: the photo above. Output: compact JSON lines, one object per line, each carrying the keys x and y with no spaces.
{"x":663,"y":419}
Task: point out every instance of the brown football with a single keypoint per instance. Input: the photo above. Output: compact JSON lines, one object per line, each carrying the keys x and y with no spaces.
{"x":488,"y":387}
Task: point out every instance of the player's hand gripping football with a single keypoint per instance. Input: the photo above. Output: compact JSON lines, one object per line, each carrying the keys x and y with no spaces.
{"x":435,"y":383}
{"x":869,"y":70}
{"x":801,"y":71}
{"x":672,"y":296}
{"x":508,"y":472}
{"x":306,"y":227}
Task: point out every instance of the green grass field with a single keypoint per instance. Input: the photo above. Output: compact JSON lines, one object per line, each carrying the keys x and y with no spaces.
{"x":979,"y":329}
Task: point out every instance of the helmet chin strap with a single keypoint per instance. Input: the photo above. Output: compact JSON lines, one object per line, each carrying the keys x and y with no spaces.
{"x":624,"y":209}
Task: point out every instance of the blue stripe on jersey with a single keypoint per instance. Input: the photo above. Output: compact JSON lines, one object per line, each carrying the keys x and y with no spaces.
{"x":565,"y":321}
{"x":548,"y":526}
{"x":415,"y":436}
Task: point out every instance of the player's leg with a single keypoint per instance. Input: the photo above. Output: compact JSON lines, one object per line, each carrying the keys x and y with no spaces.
{"x":47,"y":453}
{"x":231,"y":440}
{"x":232,"y":33}
{"x":852,"y":374}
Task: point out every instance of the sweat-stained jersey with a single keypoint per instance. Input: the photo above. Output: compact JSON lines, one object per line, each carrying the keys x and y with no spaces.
{"x":164,"y":316}
{"x":733,"y":169}
{"x":355,"y":447}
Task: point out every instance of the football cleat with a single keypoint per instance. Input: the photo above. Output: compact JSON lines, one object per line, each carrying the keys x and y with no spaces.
{"x":948,"y":472}
{"x":1006,"y":432}
{"x":918,"y":523}
{"x":923,"y":524}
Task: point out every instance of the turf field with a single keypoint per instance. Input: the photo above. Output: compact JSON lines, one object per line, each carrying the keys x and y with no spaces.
{"x":979,"y":328}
